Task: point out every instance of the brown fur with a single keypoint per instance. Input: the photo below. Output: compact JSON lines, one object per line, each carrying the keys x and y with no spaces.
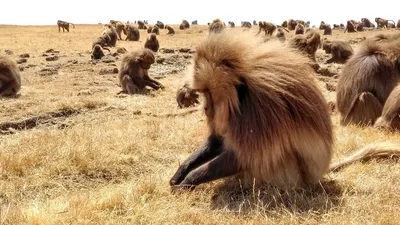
{"x":216,"y":26}
{"x":160,"y":24}
{"x":290,"y":24}
{"x":119,"y":28}
{"x":382,"y":23}
{"x":340,"y":50}
{"x":398,"y":24}
{"x":152,"y":42}
{"x":132,"y":33}
{"x":351,"y":26}
{"x":268,"y":28}
{"x":307,"y":43}
{"x":141,"y":25}
{"x":366,"y":22}
{"x":299,"y":29}
{"x":267,"y":118}
{"x":104,"y":40}
{"x":64,"y":25}
{"x":390,"y":117}
{"x":155,"y":30}
{"x":10,"y":79}
{"x":280,"y":34}
{"x":186,"y":97}
{"x":184,"y":25}
{"x":366,"y":81}
{"x":246,"y":24}
{"x":231,"y":24}
{"x":133,"y":74}
{"x":171,"y":30}
{"x":149,"y":29}
{"x":110,"y":31}
{"x":97,"y":52}
{"x":327,"y":29}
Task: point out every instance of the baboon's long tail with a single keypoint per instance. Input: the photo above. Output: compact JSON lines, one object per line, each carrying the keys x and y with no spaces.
{"x":371,"y":151}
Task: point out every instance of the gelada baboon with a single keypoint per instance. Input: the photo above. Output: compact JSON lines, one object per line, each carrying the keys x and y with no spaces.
{"x":194,"y":22}
{"x":110,"y":31}
{"x":232,"y":24}
{"x":382,"y":23}
{"x":280,"y":34}
{"x":398,"y":24}
{"x":267,"y":27}
{"x":267,"y":118}
{"x":390,"y":117}
{"x":97,"y":52}
{"x":187,"y":97}
{"x":351,"y":26}
{"x":160,"y":24}
{"x":149,"y":29}
{"x":141,"y":25}
{"x":290,"y":24}
{"x":308,"y":43}
{"x":246,"y":24}
{"x":327,"y":29}
{"x":119,"y":27}
{"x":10,"y":79}
{"x":322,"y":25}
{"x":152,"y":42}
{"x":64,"y":25}
{"x":133,"y":75}
{"x":171,"y":30}
{"x":366,"y":81}
{"x":104,"y":40}
{"x":155,"y":30}
{"x":340,"y":50}
{"x":184,"y":25}
{"x":216,"y":26}
{"x":366,"y":22}
{"x":132,"y":33}
{"x":299,"y":29}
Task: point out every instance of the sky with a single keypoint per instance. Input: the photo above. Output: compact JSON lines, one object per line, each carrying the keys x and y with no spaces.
{"x":46,"y":12}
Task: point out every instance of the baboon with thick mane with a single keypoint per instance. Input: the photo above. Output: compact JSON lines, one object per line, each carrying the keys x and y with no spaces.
{"x":184,"y":25}
{"x":160,"y":24}
{"x":119,"y":28}
{"x":216,"y":26}
{"x":366,"y":22}
{"x":232,"y":24}
{"x":280,"y":34}
{"x":267,"y":27}
{"x":187,"y":97}
{"x":133,"y":73}
{"x":299,"y":29}
{"x":382,"y":23}
{"x":155,"y":30}
{"x":109,"y":30}
{"x":340,"y":50}
{"x":366,"y":81}
{"x":10,"y":79}
{"x":64,"y":25}
{"x":132,"y":33}
{"x":171,"y":30}
{"x":152,"y":42}
{"x":141,"y":25}
{"x":308,"y":43}
{"x":351,"y":26}
{"x":267,"y":118}
{"x":390,"y":118}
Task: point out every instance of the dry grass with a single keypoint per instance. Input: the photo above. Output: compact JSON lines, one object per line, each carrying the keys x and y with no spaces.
{"x":108,"y":165}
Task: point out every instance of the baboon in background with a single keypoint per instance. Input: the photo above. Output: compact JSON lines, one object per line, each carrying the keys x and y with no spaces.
{"x":340,"y":50}
{"x":267,"y":27}
{"x":398,"y":24}
{"x":119,"y":27}
{"x":141,"y":25}
{"x":391,"y":25}
{"x":290,"y":24}
{"x":160,"y":24}
{"x":132,"y":33}
{"x":97,"y":52}
{"x":390,"y":117}
{"x":246,"y":24}
{"x":322,"y":25}
{"x":350,"y":27}
{"x":366,"y":81}
{"x":110,"y":31}
{"x":327,"y":29}
{"x":149,"y":29}
{"x":186,"y":97}
{"x":171,"y":30}
{"x":299,"y":29}
{"x":152,"y":42}
{"x":216,"y":26}
{"x":254,"y":22}
{"x":268,"y":120}
{"x":366,"y":23}
{"x":280,"y":34}
{"x":184,"y":25}
{"x":308,"y":43}
{"x":104,"y":41}
{"x":382,"y":23}
{"x":232,"y":24}
{"x":133,"y":73}
{"x":10,"y":79}
{"x":64,"y":25}
{"x":194,"y":22}
{"x":155,"y":30}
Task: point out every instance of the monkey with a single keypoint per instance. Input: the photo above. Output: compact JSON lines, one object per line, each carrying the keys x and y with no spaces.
{"x":97,"y":52}
{"x":359,"y":27}
{"x":340,"y":50}
{"x":132,"y":33}
{"x":398,"y":24}
{"x":290,"y":24}
{"x":327,"y":29}
{"x":350,"y":27}
{"x":386,"y":37}
{"x":171,"y":30}
{"x":322,"y":25}
{"x":335,"y":26}
{"x":160,"y":24}
{"x":308,"y":43}
{"x":246,"y":24}
{"x":267,"y":119}
{"x":390,"y":117}
{"x":232,"y":24}
{"x":366,"y":22}
{"x":216,"y":26}
{"x":141,"y":25}
{"x":186,"y":97}
{"x":184,"y":25}
{"x":382,"y":23}
{"x":299,"y":29}
{"x":194,"y":22}
{"x":280,"y":34}
{"x":155,"y":30}
{"x":104,"y":41}
{"x":10,"y":79}
{"x":366,"y":80}
{"x":152,"y":42}
{"x":119,"y":27}
{"x":254,"y":22}
{"x":149,"y":29}
{"x":64,"y":25}
{"x":110,"y":31}
{"x":133,"y":74}
{"x":267,"y":27}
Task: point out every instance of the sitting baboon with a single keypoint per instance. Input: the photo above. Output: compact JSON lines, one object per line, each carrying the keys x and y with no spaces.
{"x":308,"y":43}
{"x":184,"y":25}
{"x":132,"y":33}
{"x":336,"y":26}
{"x":171,"y":30}
{"x":382,"y":23}
{"x":267,"y":119}
{"x":64,"y":25}
{"x":280,"y":34}
{"x":351,"y":26}
{"x":155,"y":30}
{"x":194,"y":22}
{"x":97,"y":52}
{"x":141,"y":25}
{"x":10,"y":79}
{"x":308,"y":24}
{"x":359,"y":27}
{"x":186,"y":97}
{"x":110,"y":31}
{"x":327,"y":29}
{"x":246,"y":24}
{"x":160,"y":24}
{"x":232,"y":24}
{"x":216,"y":26}
{"x":119,"y":27}
{"x":340,"y":50}
{"x":152,"y":42}
{"x":366,"y":81}
{"x":322,"y":25}
{"x":299,"y":29}
{"x":133,"y":73}
{"x":290,"y":24}
{"x":254,"y":22}
{"x":267,"y":27}
{"x":366,"y":23}
{"x":104,"y":41}
{"x":390,"y":117}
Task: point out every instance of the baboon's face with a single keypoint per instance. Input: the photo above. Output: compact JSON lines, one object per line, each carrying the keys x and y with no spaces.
{"x":146,"y":60}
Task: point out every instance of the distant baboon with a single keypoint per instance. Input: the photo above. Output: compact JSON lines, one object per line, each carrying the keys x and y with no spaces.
{"x":160,"y":24}
{"x":64,"y":25}
{"x":340,"y":50}
{"x":366,"y":81}
{"x":299,"y":29}
{"x":391,"y":25}
{"x":335,"y":26}
{"x":171,"y":30}
{"x":194,"y":22}
{"x":97,"y":52}
{"x":366,"y":23}
{"x":155,"y":30}
{"x":184,"y":25}
{"x":280,"y":34}
{"x":267,"y":27}
{"x":132,"y":33}
{"x":246,"y":24}
{"x":398,"y":24}
{"x":216,"y":26}
{"x":254,"y":22}
{"x":186,"y":97}
{"x":327,"y":29}
{"x":104,"y":41}
{"x":322,"y":25}
{"x":133,"y":73}
{"x":351,"y":26}
{"x":232,"y":24}
{"x":110,"y":31}
{"x":141,"y":25}
{"x":390,"y":117}
{"x":308,"y":24}
{"x":152,"y":42}
{"x":290,"y":24}
{"x":10,"y":79}
{"x":308,"y":43}
{"x":149,"y":28}
{"x":382,"y":23}
{"x":119,"y":27}
{"x":267,"y":118}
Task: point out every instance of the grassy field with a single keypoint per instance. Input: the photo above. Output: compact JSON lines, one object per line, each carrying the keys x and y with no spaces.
{"x":78,"y":153}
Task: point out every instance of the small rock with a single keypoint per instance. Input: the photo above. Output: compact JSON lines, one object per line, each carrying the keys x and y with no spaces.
{"x":52,"y":58}
{"x":184,"y":50}
{"x":167,"y":50}
{"x":25,"y":55}
{"x":20,"y":61}
{"x":330,"y":87}
{"x":108,"y":59}
{"x":108,"y":71}
{"x":50,"y":50}
{"x":8,"y":52}
{"x":121,"y":50}
{"x":160,"y":60}
{"x":48,"y":71}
